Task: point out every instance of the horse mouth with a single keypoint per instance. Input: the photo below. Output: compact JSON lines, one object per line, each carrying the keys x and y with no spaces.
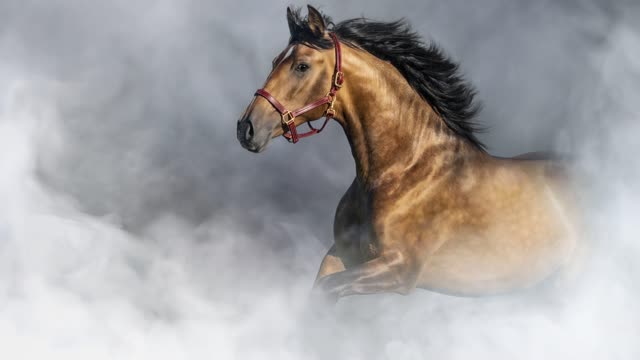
{"x":251,"y":146}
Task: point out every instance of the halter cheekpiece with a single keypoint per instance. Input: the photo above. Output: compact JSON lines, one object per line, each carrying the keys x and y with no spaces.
{"x":288,"y":117}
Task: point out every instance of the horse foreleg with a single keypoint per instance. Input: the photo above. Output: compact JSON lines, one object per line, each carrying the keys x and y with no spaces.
{"x":330,"y":264}
{"x":387,"y":273}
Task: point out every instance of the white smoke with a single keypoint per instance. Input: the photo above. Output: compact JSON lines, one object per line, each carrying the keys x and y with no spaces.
{"x":77,"y":286}
{"x":132,"y":226}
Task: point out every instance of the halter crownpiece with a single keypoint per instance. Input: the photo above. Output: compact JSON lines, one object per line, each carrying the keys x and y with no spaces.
{"x":288,"y":117}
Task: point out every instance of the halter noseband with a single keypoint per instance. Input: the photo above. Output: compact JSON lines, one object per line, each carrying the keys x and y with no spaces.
{"x":288,"y":117}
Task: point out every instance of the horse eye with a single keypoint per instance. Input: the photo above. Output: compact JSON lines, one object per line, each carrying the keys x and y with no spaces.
{"x":302,"y":67}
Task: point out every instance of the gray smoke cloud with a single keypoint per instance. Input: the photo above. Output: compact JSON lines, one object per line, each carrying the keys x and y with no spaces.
{"x":134,"y":226}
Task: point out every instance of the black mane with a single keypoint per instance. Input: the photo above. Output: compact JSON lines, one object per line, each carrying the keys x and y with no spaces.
{"x":432,"y":74}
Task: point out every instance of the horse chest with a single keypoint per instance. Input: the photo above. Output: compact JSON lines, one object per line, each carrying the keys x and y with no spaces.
{"x":355,"y":240}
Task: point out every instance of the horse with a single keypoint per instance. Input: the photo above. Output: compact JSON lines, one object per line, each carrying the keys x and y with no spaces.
{"x":429,"y":207}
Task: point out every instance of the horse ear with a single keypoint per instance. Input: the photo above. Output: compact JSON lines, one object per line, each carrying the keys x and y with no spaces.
{"x":316,"y":21}
{"x":291,"y":20}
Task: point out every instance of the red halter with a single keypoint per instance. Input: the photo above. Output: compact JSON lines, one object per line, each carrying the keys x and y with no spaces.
{"x":288,"y":117}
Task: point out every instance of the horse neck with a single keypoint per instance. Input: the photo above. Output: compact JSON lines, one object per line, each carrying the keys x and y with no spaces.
{"x":390,"y":128}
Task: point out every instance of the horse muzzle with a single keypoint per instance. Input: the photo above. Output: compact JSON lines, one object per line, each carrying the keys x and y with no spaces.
{"x":249,"y":138}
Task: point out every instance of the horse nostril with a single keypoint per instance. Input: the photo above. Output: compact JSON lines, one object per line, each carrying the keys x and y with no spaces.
{"x":245,"y":133}
{"x":250,"y":132}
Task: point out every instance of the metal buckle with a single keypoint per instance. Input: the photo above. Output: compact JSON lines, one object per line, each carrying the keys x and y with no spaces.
{"x":284,"y":116}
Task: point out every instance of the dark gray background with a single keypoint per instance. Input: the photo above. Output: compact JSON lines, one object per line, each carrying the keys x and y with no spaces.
{"x":161,"y":87}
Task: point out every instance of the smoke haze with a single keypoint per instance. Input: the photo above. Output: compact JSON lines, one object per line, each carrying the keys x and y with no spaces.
{"x":134,"y":226}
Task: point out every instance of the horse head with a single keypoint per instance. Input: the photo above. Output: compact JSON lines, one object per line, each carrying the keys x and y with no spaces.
{"x":301,"y":87}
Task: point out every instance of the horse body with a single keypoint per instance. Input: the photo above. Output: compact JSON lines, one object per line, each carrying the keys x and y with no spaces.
{"x":428,"y":208}
{"x":499,"y":228}
{"x":450,"y":217}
